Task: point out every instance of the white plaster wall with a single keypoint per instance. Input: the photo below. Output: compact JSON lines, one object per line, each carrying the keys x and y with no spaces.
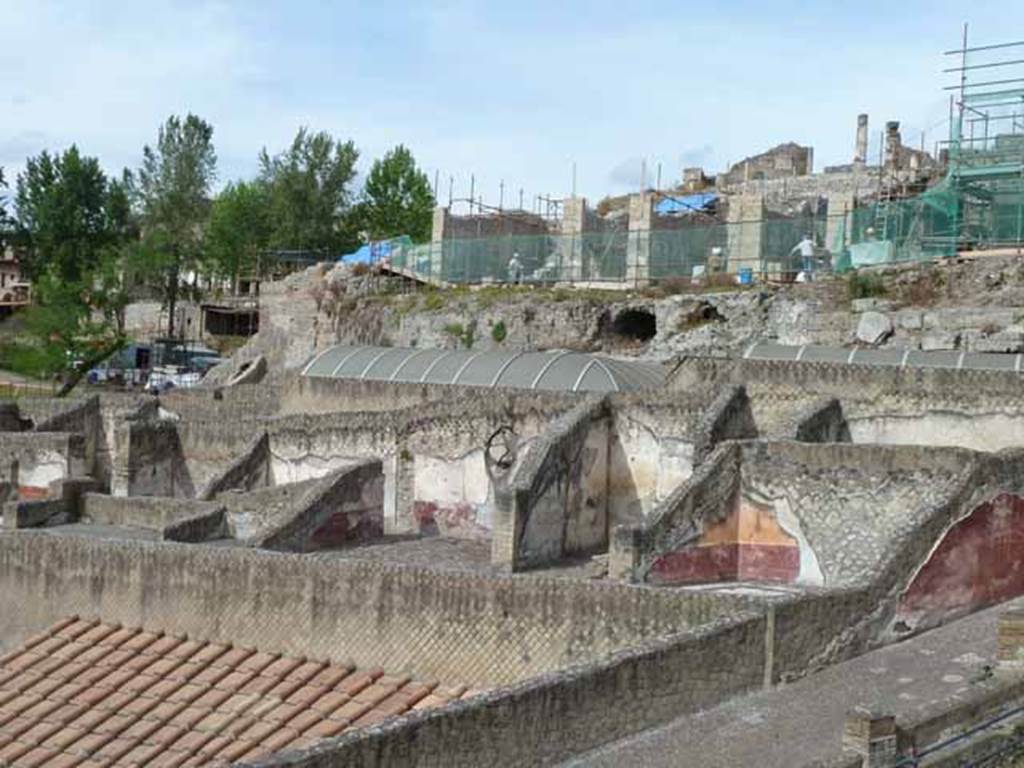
{"x":643,"y":470}
{"x":293,"y":469}
{"x":810,"y":569}
{"x":981,"y":432}
{"x":42,"y":469}
{"x":451,"y":481}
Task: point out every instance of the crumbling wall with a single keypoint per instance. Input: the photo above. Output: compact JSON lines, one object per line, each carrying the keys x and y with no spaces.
{"x":556,"y":501}
{"x":33,"y":460}
{"x":981,"y":410}
{"x":151,"y":460}
{"x":174,"y":519}
{"x":250,"y":470}
{"x":345,"y":508}
{"x":652,"y":450}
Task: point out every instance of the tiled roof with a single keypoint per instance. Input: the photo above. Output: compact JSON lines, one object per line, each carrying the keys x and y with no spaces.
{"x":90,"y":694}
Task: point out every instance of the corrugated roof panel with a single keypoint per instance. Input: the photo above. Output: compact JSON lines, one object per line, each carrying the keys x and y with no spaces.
{"x":521,"y":373}
{"x":387,"y":363}
{"x":888,"y":357}
{"x":917,"y":359}
{"x":417,"y":363}
{"x":325,"y":362}
{"x":447,"y":367}
{"x":989,"y":362}
{"x":352,"y":366}
{"x":594,"y":379}
{"x":563,"y":372}
{"x":770,"y":351}
{"x":558,"y":371}
{"x":483,"y":368}
{"x":913,"y":358}
{"x":815,"y":354}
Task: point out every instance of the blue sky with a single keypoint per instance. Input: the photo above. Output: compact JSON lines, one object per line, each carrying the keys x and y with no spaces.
{"x":506,"y":91}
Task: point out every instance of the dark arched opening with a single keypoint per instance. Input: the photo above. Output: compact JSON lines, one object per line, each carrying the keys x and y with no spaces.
{"x":635,"y":324}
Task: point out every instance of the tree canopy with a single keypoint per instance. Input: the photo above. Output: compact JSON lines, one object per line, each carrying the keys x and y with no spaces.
{"x":88,"y":241}
{"x":67,"y":214}
{"x":173,"y":189}
{"x":240,"y":228}
{"x":397,"y":199}
{"x":74,"y":223}
{"x":310,"y":195}
{"x":5,"y":222}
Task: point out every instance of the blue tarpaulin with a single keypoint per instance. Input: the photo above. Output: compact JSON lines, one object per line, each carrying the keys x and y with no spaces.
{"x":375,"y":251}
{"x":361,"y":255}
{"x":685,"y":204}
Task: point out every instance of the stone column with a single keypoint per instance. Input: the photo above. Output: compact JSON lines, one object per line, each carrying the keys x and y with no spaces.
{"x":638,"y":249}
{"x":893,"y":145}
{"x":744,"y":239}
{"x":442,"y":223}
{"x":574,"y":218}
{"x":440,"y":231}
{"x":871,"y":735}
{"x":840,"y":220}
{"x":860,"y":154}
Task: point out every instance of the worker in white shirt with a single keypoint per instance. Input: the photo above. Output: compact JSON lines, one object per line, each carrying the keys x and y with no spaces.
{"x":805,"y":248}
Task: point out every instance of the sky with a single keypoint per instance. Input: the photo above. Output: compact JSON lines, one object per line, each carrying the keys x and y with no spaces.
{"x":506,"y":93}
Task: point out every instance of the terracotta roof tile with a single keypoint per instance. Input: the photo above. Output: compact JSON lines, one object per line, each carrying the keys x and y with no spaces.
{"x":86,"y":694}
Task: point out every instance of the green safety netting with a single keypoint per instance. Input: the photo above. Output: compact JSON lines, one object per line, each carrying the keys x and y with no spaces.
{"x":979,"y":204}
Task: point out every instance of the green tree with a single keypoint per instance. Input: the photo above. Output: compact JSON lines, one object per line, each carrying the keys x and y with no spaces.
{"x":239,"y":230}
{"x":397,"y":199}
{"x":173,"y":188}
{"x":75,"y":224}
{"x":63,"y":214}
{"x":5,"y":221}
{"x":310,"y":196}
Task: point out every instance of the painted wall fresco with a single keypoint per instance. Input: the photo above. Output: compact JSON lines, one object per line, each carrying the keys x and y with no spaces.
{"x":747,"y":545}
{"x":978,"y":562}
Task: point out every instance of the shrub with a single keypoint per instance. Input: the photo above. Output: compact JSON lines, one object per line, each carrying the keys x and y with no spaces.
{"x":499,"y":332}
{"x":865,"y":286}
{"x":360,"y":269}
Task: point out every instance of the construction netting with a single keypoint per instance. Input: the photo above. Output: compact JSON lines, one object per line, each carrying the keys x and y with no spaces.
{"x":747,"y":248}
{"x":962,"y":211}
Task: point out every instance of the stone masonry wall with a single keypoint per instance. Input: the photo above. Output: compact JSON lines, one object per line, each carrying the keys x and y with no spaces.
{"x":483,"y":630}
{"x":345,"y":508}
{"x":557,"y":716}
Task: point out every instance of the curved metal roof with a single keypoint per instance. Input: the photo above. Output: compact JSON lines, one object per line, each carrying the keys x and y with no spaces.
{"x":553,"y":371}
{"x":893,"y":358}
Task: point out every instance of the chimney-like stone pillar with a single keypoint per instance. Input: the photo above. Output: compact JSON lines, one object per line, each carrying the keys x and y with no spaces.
{"x":638,"y":249}
{"x":860,"y":155}
{"x":574,"y":220}
{"x":893,"y":144}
